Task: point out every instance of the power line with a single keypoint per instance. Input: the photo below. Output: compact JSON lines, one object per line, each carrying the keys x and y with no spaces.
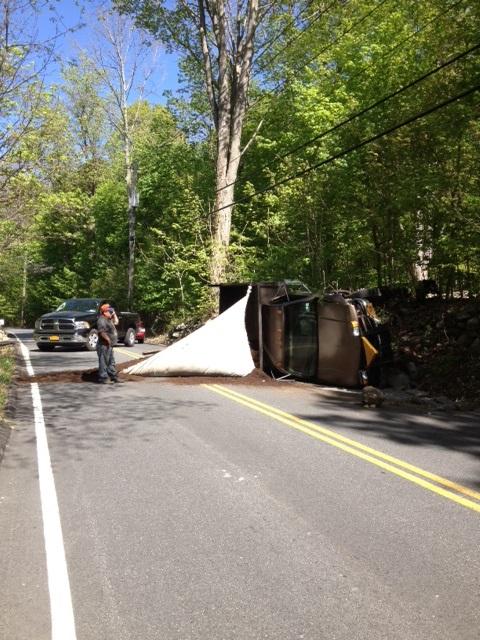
{"x":353,"y":148}
{"x":415,"y":34}
{"x":396,"y":93}
{"x":335,"y":41}
{"x":358,"y":114}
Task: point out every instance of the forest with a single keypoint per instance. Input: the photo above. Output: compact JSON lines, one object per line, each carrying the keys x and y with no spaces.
{"x":333,"y":142}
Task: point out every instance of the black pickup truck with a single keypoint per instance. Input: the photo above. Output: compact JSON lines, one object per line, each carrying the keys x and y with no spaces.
{"x":74,"y":323}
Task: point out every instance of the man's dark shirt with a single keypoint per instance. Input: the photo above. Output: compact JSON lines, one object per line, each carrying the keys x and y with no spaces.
{"x":104,"y":325}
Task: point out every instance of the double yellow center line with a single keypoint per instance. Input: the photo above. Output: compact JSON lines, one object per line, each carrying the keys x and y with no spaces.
{"x":443,"y":487}
{"x":132,"y":354}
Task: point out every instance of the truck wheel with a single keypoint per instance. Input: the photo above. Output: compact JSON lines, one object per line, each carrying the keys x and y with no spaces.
{"x":129,"y":339}
{"x":92,"y":340}
{"x":45,"y":347}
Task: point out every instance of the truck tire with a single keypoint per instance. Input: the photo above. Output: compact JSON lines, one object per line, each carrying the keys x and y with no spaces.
{"x":92,"y":340}
{"x":129,"y":339}
{"x":45,"y":346}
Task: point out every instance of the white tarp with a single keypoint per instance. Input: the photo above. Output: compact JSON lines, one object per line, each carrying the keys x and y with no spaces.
{"x":220,"y":347}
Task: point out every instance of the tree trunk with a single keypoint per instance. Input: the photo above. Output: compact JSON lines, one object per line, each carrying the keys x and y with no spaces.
{"x":132,"y":215}
{"x":228,"y":98}
{"x":131,"y":180}
{"x":222,"y":222}
{"x":378,"y":255}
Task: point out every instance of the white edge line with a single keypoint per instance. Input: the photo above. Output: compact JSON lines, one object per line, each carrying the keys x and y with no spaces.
{"x":61,"y":608}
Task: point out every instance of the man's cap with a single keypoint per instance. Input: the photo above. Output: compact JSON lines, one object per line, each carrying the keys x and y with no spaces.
{"x":105,"y":307}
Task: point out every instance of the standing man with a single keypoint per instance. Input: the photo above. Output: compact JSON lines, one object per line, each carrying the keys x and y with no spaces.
{"x":107,"y":338}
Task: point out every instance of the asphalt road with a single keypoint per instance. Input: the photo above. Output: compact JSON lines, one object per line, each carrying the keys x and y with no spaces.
{"x":219,"y":512}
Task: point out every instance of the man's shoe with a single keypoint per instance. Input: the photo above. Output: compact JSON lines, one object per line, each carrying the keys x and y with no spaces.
{"x":102,"y":381}
{"x":117,"y":380}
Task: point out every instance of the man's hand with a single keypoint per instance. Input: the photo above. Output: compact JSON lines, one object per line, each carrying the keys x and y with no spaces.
{"x":104,"y":338}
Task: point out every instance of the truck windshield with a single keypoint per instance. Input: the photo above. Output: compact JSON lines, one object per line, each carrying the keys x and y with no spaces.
{"x":78,"y":304}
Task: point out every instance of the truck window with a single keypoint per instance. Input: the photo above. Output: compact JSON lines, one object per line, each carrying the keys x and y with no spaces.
{"x":80,"y":304}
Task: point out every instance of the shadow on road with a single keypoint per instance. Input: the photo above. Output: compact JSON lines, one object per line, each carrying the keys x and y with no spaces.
{"x":450,"y":431}
{"x":79,"y":418}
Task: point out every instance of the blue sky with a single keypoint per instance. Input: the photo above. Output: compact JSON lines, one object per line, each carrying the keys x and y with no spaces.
{"x":70,"y":14}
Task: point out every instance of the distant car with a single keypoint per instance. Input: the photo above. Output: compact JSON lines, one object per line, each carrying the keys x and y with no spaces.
{"x":74,"y":322}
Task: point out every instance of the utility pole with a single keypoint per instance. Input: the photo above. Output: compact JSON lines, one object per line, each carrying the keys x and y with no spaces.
{"x":133,"y":201}
{"x":24,"y":291}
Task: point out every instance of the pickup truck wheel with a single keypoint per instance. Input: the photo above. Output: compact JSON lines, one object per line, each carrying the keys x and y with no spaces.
{"x":45,"y":347}
{"x":92,"y":340}
{"x":129,"y":339}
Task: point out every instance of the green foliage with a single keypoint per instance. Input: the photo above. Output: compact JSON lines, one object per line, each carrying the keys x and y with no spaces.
{"x":11,"y":281}
{"x":172,"y":234}
{"x":7,"y":366}
{"x":365,"y":219}
{"x":108,"y":274}
{"x":66,"y":229}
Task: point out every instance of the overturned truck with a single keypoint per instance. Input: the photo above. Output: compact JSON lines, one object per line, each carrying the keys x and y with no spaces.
{"x":334,"y":339}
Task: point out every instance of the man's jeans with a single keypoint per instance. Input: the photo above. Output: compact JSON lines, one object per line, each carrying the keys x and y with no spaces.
{"x":106,"y":362}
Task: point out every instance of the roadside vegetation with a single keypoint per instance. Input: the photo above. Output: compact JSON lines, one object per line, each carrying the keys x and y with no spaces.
{"x":7,"y":365}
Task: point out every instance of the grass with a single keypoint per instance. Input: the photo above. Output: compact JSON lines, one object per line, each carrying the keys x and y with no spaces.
{"x":7,"y":364}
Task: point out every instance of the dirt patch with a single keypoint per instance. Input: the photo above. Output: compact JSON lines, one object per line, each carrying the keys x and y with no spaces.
{"x":84,"y":375}
{"x":257,"y":377}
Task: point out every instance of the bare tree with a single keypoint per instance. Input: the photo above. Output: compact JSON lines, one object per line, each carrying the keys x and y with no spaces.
{"x":87,"y":108}
{"x":23,"y":60}
{"x":125,"y":61}
{"x":27,"y":110}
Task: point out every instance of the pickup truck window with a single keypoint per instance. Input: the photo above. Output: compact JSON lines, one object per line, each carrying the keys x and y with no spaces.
{"x":81,"y":304}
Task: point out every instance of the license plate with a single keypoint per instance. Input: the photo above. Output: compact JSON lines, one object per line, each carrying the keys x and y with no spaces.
{"x":54,"y":338}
